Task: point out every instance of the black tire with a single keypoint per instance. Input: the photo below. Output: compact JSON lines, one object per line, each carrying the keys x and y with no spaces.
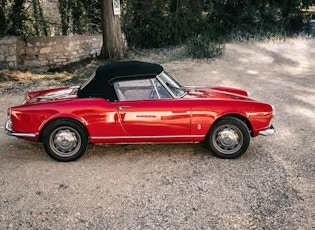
{"x":228,"y":138}
{"x":65,"y":140}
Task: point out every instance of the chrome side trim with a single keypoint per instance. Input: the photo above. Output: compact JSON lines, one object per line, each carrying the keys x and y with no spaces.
{"x":267,"y":132}
{"x":148,"y":137}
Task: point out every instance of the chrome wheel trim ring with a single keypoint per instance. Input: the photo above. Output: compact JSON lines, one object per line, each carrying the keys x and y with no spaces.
{"x":65,"y":141}
{"x":227,"y":139}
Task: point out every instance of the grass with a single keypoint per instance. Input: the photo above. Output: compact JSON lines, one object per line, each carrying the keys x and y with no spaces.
{"x":70,"y":74}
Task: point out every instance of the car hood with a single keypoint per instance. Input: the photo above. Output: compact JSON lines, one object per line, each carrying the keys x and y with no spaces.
{"x":51,"y":95}
{"x":216,"y":93}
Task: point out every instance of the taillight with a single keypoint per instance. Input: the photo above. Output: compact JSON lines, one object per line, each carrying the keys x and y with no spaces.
{"x":9,"y":111}
{"x":27,"y":97}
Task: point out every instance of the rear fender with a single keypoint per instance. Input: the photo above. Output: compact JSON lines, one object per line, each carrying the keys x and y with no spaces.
{"x":55,"y":117}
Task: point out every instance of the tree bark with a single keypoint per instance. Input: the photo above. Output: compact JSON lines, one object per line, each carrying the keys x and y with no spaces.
{"x":285,"y":8}
{"x":113,"y":44}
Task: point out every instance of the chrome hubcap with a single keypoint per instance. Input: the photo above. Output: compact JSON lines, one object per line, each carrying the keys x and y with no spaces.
{"x":65,"y":141}
{"x":227,"y":139}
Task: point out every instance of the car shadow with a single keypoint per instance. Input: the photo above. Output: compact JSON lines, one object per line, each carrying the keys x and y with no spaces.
{"x":21,"y":149}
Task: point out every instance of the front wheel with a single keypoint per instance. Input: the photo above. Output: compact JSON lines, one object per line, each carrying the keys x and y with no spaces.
{"x":228,"y":138}
{"x":65,"y":140}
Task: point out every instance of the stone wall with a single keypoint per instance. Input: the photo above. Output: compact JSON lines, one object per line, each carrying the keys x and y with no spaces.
{"x":44,"y":53}
{"x":8,"y":53}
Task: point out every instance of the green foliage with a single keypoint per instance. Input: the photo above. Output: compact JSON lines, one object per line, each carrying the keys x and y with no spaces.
{"x":16,"y":17}
{"x":248,"y":19}
{"x":23,"y":18}
{"x":72,"y":20}
{"x":64,"y":10}
{"x":39,"y":20}
{"x":160,"y":23}
{"x":80,"y":17}
{"x":206,"y":24}
{"x":2,"y":17}
{"x":27,"y":18}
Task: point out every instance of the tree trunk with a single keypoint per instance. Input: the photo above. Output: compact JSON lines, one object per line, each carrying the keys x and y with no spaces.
{"x":285,"y":8}
{"x":113,"y":44}
{"x":3,"y":25}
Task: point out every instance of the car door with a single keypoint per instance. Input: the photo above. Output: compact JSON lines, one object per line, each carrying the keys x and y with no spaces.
{"x":145,"y":111}
{"x":155,"y":117}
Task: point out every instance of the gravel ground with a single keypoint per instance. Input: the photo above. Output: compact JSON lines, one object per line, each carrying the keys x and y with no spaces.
{"x":178,"y":186}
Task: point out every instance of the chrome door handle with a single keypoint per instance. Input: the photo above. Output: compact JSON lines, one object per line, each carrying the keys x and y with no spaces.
{"x":123,"y":107}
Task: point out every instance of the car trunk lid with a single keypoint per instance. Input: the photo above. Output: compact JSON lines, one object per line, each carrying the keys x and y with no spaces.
{"x":51,"y":95}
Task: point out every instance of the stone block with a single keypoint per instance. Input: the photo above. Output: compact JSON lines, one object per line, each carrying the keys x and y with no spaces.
{"x":30,"y":52}
{"x":12,"y":64}
{"x":60,"y":60}
{"x":43,"y":63}
{"x":12,"y":51}
{"x":11,"y":59}
{"x":45,"y":50}
{"x":58,"y":48}
{"x":2,"y":64}
{"x":9,"y":40}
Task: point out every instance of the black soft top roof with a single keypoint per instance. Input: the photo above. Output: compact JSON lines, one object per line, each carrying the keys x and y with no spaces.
{"x":101,"y":85}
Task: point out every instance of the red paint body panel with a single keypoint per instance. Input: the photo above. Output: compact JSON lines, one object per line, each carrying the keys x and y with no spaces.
{"x":216,"y":92}
{"x":155,"y":118}
{"x":185,"y":119}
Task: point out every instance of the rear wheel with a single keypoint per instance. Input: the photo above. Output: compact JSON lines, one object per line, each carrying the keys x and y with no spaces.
{"x":228,"y":138}
{"x":65,"y":140}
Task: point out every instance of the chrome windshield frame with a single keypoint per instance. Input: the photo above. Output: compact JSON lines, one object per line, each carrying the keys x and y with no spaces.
{"x":166,"y":80}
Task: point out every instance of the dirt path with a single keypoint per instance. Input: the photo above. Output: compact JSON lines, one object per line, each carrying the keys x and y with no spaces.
{"x":180,"y":186}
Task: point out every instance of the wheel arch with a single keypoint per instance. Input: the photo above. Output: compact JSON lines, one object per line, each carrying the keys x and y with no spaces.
{"x":239,"y":116}
{"x":64,"y":118}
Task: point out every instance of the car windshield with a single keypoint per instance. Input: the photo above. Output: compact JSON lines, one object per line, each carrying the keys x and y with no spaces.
{"x":177,"y":89}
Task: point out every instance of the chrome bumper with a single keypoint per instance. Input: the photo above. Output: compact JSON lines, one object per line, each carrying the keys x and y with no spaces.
{"x":267,"y":132}
{"x":10,"y":132}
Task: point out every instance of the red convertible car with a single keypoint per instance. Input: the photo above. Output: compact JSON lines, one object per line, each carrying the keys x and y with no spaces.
{"x":138,"y":102}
